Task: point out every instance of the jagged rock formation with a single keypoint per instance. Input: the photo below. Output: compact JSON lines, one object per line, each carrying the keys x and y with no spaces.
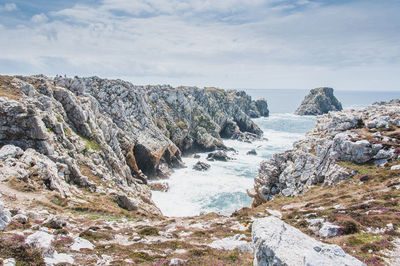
{"x":201,"y":166}
{"x":196,"y":119}
{"x":319,"y":101}
{"x":278,"y":243}
{"x":109,"y":136}
{"x":359,"y":136}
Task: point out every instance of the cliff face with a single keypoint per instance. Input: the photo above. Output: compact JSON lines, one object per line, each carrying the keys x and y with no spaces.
{"x":319,"y":101}
{"x":109,"y":136}
{"x":195,"y":119}
{"x":363,"y":136}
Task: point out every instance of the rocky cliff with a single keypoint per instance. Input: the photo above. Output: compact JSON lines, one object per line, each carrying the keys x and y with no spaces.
{"x":319,"y":101}
{"x":109,"y":136}
{"x":370,"y":135}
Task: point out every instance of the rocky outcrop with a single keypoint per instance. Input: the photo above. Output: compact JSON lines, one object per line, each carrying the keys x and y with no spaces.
{"x":278,"y":243}
{"x":109,"y":136}
{"x":218,"y":156}
{"x":351,"y":135}
{"x":196,"y":119}
{"x":319,"y":101}
{"x":201,"y":166}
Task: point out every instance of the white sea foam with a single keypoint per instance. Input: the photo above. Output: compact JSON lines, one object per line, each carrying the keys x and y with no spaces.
{"x":223,"y":187}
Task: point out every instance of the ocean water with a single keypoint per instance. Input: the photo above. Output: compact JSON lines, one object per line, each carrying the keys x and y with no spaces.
{"x":223,"y":187}
{"x":287,"y":101}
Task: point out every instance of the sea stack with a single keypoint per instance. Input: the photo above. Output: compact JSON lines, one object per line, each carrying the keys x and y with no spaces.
{"x":319,"y":101}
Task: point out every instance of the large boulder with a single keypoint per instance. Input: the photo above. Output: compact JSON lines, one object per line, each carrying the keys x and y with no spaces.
{"x":218,"y":156}
{"x":201,"y":166}
{"x":126,"y":202}
{"x":278,"y":243}
{"x":5,"y":217}
{"x":262,"y":107}
{"x":319,"y":101}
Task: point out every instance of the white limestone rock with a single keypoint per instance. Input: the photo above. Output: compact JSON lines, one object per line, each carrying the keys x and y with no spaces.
{"x":275,"y":213}
{"x":395,"y":167}
{"x":9,"y":262}
{"x":233,"y":242}
{"x":41,"y":241}
{"x":5,"y":216}
{"x":80,"y":243}
{"x":277,"y":243}
{"x":328,"y":230}
{"x":57,"y":258}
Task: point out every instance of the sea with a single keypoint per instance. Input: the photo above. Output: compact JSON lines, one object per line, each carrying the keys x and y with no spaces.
{"x":222,"y":188}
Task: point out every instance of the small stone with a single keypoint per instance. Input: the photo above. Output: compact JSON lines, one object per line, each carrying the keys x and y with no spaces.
{"x":328,"y":230}
{"x":317,"y":249}
{"x":389,"y":226}
{"x":81,"y":243}
{"x":136,"y":238}
{"x":9,"y":262}
{"x":55,"y":222}
{"x":275,"y":213}
{"x":252,"y":152}
{"x":364,"y":178}
{"x":177,"y":261}
{"x":20,"y":218}
{"x":395,"y":167}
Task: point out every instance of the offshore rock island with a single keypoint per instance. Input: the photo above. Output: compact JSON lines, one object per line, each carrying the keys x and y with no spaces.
{"x":77,"y":157}
{"x":319,"y":101}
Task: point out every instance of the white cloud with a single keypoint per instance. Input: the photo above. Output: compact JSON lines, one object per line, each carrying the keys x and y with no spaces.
{"x":9,"y":7}
{"x":39,"y":18}
{"x":234,"y":43}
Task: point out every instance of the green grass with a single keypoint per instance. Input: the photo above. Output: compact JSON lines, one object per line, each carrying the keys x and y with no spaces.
{"x":92,"y":144}
{"x":360,"y":239}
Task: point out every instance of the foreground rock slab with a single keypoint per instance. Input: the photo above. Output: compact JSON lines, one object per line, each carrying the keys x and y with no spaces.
{"x":278,"y":243}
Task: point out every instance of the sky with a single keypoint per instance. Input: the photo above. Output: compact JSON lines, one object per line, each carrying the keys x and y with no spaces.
{"x":264,"y":44}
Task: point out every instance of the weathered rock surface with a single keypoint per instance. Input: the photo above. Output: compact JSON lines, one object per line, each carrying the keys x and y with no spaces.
{"x":196,"y":119}
{"x":218,"y":156}
{"x":126,"y":202}
{"x":319,"y":101}
{"x":109,"y":136}
{"x":233,"y":242}
{"x":252,"y":152}
{"x":337,"y":136}
{"x":5,"y":217}
{"x":277,"y":243}
{"x":159,"y":186}
{"x":201,"y":166}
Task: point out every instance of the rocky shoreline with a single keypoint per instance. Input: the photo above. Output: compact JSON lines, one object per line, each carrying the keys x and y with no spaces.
{"x":359,"y":136}
{"x":76,"y":156}
{"x":109,"y":136}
